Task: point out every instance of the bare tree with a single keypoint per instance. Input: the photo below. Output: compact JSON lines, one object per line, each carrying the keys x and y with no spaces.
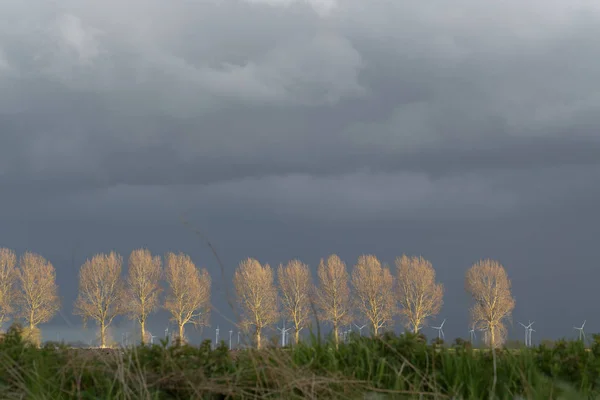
{"x":296,"y":286}
{"x":101,"y":291}
{"x":488,"y":284}
{"x":420,"y":297}
{"x":142,"y":287}
{"x":188,"y":296}
{"x":333,"y":293}
{"x":8,"y":262}
{"x":37,"y":295}
{"x":374,"y":289}
{"x":257,"y":296}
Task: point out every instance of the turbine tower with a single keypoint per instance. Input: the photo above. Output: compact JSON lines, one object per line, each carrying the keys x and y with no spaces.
{"x":440,"y":330}
{"x":360,"y":328}
{"x":530,"y":330}
{"x":472,"y":335}
{"x":283,"y":333}
{"x":230,"y":333}
{"x":346,"y":332}
{"x":527,"y":333}
{"x":581,"y":332}
{"x":217,"y":336}
{"x":152,"y":338}
{"x":485,"y":335}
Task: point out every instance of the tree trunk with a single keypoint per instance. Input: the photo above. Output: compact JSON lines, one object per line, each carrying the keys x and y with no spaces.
{"x":258,"y":344}
{"x":375,"y":330}
{"x":418,"y":322}
{"x":297,"y":336}
{"x":143,"y":330}
{"x":493,"y":336}
{"x":102,"y":334}
{"x":31,"y":335}
{"x":181,"y":333}
{"x":336,"y":337}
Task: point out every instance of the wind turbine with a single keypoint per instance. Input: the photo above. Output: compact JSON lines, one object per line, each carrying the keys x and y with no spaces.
{"x":283,"y":332}
{"x":345,"y":335}
{"x":217,"y":337}
{"x":347,"y":332}
{"x":152,"y":338}
{"x":440,"y":330}
{"x":360,"y":328}
{"x":230,"y":333}
{"x":485,"y":336}
{"x":527,"y":334}
{"x":530,"y":330}
{"x":472,"y":334}
{"x":581,"y":332}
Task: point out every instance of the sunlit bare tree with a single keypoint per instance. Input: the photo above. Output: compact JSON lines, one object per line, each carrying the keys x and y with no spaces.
{"x":296,"y":286}
{"x":101,"y":291}
{"x":490,"y":288}
{"x":419,"y":296}
{"x":188,"y":296}
{"x":37,"y":293}
{"x":333,"y":293}
{"x":142,"y":287}
{"x":8,"y":275}
{"x":374,"y":292}
{"x":257,"y":296}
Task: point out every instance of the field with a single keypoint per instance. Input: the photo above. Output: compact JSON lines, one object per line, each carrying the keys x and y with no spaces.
{"x":394,"y":367}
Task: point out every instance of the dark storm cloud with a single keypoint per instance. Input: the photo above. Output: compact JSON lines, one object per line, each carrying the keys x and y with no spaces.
{"x":208,"y":91}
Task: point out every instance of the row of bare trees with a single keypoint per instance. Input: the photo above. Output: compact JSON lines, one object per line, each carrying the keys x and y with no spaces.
{"x":369,"y":293}
{"x":376,"y":294}
{"x":28,"y":290}
{"x":103,"y":294}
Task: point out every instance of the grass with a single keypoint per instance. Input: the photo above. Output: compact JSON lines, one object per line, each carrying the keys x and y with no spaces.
{"x":394,"y":367}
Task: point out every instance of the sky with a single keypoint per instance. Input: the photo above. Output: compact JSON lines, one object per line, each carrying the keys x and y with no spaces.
{"x":286,"y":129}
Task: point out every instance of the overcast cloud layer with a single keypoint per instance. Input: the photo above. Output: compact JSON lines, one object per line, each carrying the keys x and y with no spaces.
{"x":296,"y":128}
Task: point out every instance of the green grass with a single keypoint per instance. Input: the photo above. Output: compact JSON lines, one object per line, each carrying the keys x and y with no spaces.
{"x":394,"y":367}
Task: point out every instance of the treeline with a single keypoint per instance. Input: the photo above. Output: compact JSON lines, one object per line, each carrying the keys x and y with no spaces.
{"x":369,"y":293}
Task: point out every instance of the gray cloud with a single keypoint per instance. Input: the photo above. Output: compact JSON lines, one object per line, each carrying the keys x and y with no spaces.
{"x":268,"y":88}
